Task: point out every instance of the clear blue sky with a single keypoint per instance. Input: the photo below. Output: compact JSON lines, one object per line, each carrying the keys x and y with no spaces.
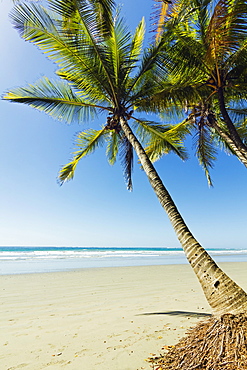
{"x":95,"y":209}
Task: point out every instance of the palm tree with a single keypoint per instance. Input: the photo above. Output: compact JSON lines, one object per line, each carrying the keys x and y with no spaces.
{"x":207,"y":52}
{"x":102,"y":71}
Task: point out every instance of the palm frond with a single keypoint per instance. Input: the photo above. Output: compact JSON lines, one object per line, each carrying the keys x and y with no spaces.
{"x":227,"y":29}
{"x":118,"y":48}
{"x":242,"y":131}
{"x":159,"y":17}
{"x":186,"y":58}
{"x":55,"y":98}
{"x":87,"y":142}
{"x":169,"y":96}
{"x":88,"y":21}
{"x":161,"y":139}
{"x":103,"y":10}
{"x":78,"y":51}
{"x":235,"y":64}
{"x":112,"y":146}
{"x":152,"y":60}
{"x":100,"y":10}
{"x":171,"y":13}
{"x":134,"y":52}
{"x":137,"y":41}
{"x":238,"y":113}
{"x":126,"y":157}
{"x":205,"y":150}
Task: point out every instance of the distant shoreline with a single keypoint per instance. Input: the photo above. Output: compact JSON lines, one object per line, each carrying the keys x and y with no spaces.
{"x":22,"y":260}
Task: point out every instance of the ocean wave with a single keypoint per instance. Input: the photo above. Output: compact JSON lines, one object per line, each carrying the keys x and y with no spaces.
{"x":106,"y":253}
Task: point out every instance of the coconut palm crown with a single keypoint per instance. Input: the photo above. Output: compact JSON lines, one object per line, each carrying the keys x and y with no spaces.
{"x":207,"y":52}
{"x":100,"y":74}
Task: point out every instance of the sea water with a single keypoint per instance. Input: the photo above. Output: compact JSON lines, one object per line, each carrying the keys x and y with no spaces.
{"x":18,"y":260}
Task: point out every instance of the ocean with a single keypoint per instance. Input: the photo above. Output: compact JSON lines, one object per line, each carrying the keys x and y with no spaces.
{"x":19,"y":260}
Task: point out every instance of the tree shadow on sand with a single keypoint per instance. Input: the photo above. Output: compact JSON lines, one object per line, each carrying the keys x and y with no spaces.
{"x":177,"y":313}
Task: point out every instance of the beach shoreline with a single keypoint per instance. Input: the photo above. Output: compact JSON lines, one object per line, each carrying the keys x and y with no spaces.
{"x":99,"y":319}
{"x":22,"y":260}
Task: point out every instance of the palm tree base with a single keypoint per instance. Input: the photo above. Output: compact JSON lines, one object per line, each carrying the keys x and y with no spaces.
{"x":215,"y":344}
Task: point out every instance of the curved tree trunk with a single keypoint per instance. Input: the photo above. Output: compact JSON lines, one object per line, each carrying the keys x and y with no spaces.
{"x":222,"y":293}
{"x":241,"y":149}
{"x":241,"y":154}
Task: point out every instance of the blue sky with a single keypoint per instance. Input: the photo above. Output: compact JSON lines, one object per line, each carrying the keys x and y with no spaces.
{"x":95,"y":209}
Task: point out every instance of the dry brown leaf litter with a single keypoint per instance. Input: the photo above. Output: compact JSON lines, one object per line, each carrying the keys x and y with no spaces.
{"x":215,"y":344}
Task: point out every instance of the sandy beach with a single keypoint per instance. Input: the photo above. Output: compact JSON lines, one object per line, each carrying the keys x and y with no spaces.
{"x":99,"y":319}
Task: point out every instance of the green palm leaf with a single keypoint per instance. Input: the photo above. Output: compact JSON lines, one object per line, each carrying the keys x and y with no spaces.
{"x":137,"y":41}
{"x":171,"y":96}
{"x":80,"y":54}
{"x":135,"y":48}
{"x":118,"y":45}
{"x":151,"y":62}
{"x":126,"y":157}
{"x":101,"y":10}
{"x":162,"y":139}
{"x":87,"y":142}
{"x":205,"y":150}
{"x":112,"y":146}
{"x":101,"y":69}
{"x":55,"y":98}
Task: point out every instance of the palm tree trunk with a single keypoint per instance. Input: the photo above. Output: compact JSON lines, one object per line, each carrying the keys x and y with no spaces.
{"x":222,"y":293}
{"x":233,"y":134}
{"x":242,"y":156}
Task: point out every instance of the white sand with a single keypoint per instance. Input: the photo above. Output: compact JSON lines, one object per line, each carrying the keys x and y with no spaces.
{"x":99,"y":319}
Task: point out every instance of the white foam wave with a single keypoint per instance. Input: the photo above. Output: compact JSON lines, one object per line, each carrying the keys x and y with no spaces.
{"x":99,"y":254}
